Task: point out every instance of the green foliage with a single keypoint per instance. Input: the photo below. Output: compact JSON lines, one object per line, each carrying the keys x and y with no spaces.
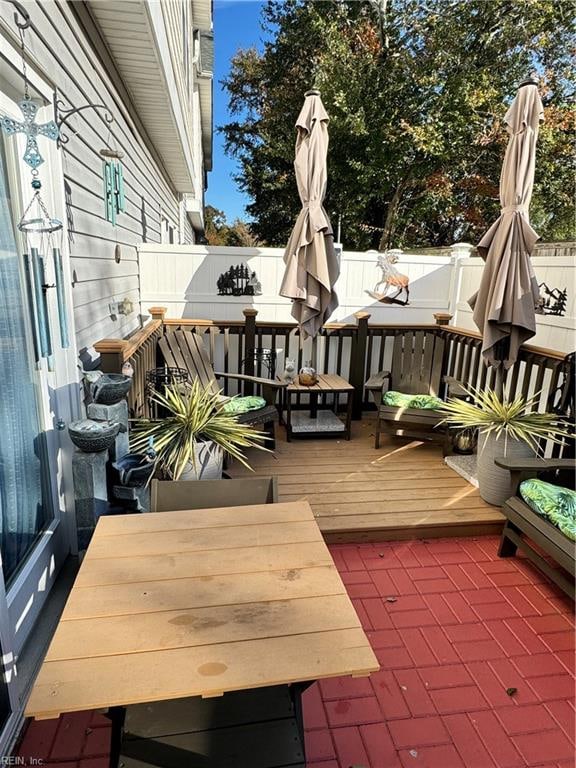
{"x":220,"y":232}
{"x":196,"y":414}
{"x":416,"y":92}
{"x":512,"y":418}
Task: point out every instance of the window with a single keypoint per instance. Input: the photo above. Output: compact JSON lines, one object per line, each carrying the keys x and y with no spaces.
{"x":168,"y":231}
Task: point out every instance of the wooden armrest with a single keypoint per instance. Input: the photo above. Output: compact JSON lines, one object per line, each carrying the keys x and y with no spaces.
{"x":377,"y":379}
{"x":522,"y":469}
{"x":253,"y":379}
{"x":455,"y":387}
{"x":534,"y":465}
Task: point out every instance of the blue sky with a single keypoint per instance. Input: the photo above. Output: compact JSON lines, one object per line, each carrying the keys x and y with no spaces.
{"x":236,"y":25}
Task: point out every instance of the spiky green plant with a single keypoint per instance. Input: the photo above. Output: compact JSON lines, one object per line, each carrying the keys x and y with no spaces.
{"x":195,"y":414}
{"x":515,"y":419}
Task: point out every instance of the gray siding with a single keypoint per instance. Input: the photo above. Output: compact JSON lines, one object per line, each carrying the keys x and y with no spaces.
{"x":66,"y":56}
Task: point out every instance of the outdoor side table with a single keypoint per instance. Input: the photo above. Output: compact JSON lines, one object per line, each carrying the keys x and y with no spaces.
{"x":317,"y":421}
{"x":173,"y":605}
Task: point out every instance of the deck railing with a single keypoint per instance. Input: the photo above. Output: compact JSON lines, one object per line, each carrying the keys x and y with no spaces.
{"x":352,"y":350}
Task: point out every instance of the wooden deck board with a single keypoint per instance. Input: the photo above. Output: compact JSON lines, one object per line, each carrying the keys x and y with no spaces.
{"x":402,"y":490}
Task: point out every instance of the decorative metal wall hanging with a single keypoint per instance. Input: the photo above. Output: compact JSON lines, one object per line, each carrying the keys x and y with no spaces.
{"x":392,"y":283}
{"x":552,"y":301}
{"x":41,"y":231}
{"x":63,"y":115}
{"x":239,"y":281}
{"x":31,"y":130}
{"x":29,"y":127}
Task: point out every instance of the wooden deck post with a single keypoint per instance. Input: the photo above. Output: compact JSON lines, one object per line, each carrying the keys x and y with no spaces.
{"x":358,"y":362}
{"x":442,"y":318}
{"x":157,"y":313}
{"x":250,"y":315}
{"x":112,"y":354}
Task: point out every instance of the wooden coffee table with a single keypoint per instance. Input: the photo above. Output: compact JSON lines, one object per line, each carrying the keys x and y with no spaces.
{"x":242,"y":603}
{"x":316,"y":422}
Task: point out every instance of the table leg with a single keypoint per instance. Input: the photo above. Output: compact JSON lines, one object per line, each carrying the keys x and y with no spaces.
{"x":313,"y":405}
{"x":296,"y":691}
{"x":117,"y":715}
{"x":349,"y":414}
{"x":288,"y":417}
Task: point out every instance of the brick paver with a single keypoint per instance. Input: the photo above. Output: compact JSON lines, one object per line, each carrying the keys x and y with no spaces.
{"x":453,"y":627}
{"x":464,"y":626}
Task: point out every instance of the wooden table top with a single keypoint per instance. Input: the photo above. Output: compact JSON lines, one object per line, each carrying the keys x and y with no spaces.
{"x":327,"y":382}
{"x":197,"y":603}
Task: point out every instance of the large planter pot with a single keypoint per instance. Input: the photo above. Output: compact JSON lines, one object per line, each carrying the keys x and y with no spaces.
{"x":208,"y":464}
{"x":494,"y":483}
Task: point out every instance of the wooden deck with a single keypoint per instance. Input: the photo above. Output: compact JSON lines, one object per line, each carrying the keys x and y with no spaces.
{"x":401,"y":491}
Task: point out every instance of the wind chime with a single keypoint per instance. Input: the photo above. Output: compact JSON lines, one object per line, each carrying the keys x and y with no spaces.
{"x":42,"y":232}
{"x":113,"y":183}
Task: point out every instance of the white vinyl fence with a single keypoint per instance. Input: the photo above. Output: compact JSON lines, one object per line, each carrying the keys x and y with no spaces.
{"x":184,"y":278}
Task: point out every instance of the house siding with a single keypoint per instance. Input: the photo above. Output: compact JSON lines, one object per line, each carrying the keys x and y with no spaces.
{"x":64,"y":54}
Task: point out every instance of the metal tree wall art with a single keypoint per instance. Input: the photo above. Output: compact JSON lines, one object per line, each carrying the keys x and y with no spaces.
{"x":239,"y":281}
{"x":552,"y":301}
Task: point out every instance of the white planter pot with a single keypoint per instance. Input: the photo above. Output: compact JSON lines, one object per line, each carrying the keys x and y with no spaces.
{"x":208,"y":464}
{"x":494,"y":483}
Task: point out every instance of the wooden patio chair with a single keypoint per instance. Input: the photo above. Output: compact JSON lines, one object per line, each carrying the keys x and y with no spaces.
{"x":524,"y":526}
{"x":172,"y":495}
{"x":417,"y":361}
{"x":184,"y":349}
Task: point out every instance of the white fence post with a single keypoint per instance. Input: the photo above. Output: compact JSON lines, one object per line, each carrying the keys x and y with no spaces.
{"x":459,"y":251}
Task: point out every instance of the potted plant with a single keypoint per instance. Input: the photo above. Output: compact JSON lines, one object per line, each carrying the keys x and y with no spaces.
{"x":190,"y":442}
{"x":505,"y":427}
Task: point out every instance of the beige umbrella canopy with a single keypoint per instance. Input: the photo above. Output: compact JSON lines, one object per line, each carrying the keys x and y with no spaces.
{"x":311,"y":264}
{"x":504,"y":305}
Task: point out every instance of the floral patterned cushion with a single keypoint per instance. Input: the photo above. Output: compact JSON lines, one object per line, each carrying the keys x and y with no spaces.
{"x":244,"y":404}
{"x":400,"y":400}
{"x":556,"y":504}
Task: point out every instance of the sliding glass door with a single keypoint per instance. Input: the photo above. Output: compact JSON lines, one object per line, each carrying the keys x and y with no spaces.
{"x":34,"y":540}
{"x":25,"y":508}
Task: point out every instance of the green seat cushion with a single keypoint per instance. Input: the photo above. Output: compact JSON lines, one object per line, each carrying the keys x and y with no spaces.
{"x":400,"y":400}
{"x":244,"y":404}
{"x":556,"y":504}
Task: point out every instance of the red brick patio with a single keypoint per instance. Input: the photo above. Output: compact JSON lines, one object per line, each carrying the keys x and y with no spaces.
{"x":454,"y":627}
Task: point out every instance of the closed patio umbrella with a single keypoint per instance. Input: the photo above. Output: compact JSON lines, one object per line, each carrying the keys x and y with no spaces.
{"x":311,"y":264}
{"x":504,"y":305}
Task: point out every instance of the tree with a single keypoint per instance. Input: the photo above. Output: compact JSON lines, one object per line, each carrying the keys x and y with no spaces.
{"x":219,"y":232}
{"x":416,"y":91}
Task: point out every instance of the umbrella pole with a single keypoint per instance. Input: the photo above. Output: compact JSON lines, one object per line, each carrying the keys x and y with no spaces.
{"x":314,"y":354}
{"x":499,"y":382}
